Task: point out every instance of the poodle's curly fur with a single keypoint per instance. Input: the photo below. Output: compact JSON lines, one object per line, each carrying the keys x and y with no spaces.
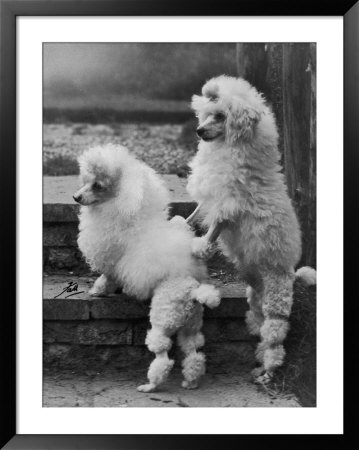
{"x":238,"y":183}
{"x":125,"y":235}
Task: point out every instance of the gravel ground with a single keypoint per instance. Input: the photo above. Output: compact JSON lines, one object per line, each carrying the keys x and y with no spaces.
{"x":167,"y":148}
{"x":224,"y":387}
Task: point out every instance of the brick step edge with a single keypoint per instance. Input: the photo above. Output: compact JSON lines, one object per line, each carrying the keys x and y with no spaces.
{"x":59,"y":205}
{"x":133,"y":332}
{"x":83,"y":307}
{"x":66,"y":212}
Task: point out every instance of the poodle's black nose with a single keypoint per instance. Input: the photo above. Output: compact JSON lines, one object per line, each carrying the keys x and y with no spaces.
{"x":200,"y":131}
{"x":77,"y":198}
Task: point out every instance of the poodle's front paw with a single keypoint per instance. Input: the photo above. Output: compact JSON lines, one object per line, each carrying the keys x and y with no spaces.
{"x":94,"y":293}
{"x":257,"y":372}
{"x":102,"y":287}
{"x":190,"y":384}
{"x":261,"y":376}
{"x":180,"y":223}
{"x":201,"y":247}
{"x":150,"y":387}
{"x":178,"y":220}
{"x":98,"y":291}
{"x":266,"y":378}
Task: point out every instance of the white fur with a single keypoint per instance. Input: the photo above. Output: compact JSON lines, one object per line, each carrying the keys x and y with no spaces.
{"x":200,"y":246}
{"x":308,"y":275}
{"x":125,"y":235}
{"x":207,"y":294}
{"x":238,"y":181}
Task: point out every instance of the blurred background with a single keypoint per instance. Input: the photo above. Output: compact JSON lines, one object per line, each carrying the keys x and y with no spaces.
{"x":134,"y":94}
{"x":148,"y":74}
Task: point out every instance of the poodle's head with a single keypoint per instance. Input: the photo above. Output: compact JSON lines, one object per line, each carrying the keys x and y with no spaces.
{"x":110,"y":172}
{"x":99,"y":177}
{"x":100,"y":174}
{"x":228,"y":110}
{"x":105,"y":174}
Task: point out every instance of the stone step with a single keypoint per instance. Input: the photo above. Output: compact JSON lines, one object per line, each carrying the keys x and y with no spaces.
{"x":80,"y":306}
{"x":59,"y":205}
{"x":112,"y":330}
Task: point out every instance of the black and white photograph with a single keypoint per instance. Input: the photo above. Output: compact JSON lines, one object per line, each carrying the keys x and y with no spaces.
{"x":173,"y":182}
{"x":179,"y":224}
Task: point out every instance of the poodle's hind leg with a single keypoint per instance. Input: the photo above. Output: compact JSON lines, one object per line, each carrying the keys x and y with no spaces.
{"x":159,"y":343}
{"x":254,"y":322}
{"x":277,"y":305}
{"x":254,"y":316}
{"x":158,"y":372}
{"x":194,"y":363}
{"x":102,"y":287}
{"x":260,"y":370}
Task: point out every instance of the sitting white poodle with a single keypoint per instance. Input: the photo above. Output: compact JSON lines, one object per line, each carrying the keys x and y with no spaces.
{"x":242,"y":198}
{"x":126,"y":236}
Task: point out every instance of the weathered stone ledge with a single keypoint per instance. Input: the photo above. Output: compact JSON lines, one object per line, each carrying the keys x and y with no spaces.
{"x":60,"y":207}
{"x":113,"y":329}
{"x":81,"y":306}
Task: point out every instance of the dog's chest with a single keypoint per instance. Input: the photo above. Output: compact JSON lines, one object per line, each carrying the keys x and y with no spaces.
{"x":216,"y":175}
{"x":100,"y":241}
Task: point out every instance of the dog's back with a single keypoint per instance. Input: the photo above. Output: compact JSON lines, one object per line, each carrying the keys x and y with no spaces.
{"x":157,"y":251}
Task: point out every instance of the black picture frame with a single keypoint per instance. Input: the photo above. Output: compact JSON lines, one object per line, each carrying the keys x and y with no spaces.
{"x":9,"y":10}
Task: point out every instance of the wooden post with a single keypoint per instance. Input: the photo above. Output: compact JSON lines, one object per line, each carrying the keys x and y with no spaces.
{"x":286,"y":74}
{"x":299,"y":133}
{"x":252,"y":65}
{"x":275,"y":87}
{"x":261,"y":65}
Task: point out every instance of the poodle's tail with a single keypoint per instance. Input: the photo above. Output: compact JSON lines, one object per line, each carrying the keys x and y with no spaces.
{"x":207,"y":295}
{"x":308,"y":275}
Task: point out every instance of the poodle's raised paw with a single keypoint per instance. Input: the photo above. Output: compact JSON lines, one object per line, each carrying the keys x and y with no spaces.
{"x":178,"y":220}
{"x":150,"y":387}
{"x":190,"y":384}
{"x":180,"y":223}
{"x":201,"y":247}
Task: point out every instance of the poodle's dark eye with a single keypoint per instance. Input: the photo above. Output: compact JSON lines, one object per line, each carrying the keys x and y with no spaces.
{"x":212,"y":97}
{"x":219,"y":116}
{"x":97,"y":186}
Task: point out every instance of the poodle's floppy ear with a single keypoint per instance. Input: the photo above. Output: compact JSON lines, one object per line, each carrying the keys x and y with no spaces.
{"x":131,"y":192}
{"x":241,"y":122}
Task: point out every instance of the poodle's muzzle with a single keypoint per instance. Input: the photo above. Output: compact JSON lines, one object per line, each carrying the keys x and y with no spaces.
{"x":77,"y":198}
{"x":201,"y":132}
{"x":85,"y":196}
{"x":212,"y":128}
{"x":83,"y":200}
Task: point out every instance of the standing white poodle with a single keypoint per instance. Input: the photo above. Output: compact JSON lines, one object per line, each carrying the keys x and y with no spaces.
{"x":126,"y":236}
{"x":242,"y":197}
